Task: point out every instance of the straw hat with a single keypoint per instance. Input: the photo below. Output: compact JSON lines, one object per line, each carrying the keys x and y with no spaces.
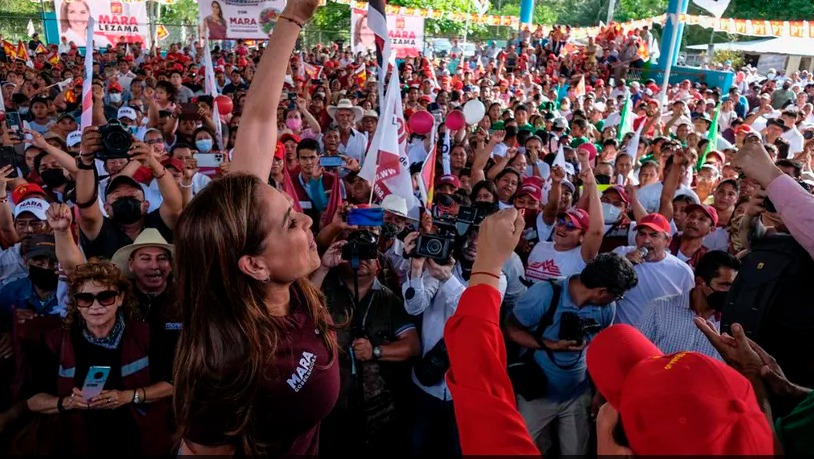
{"x":346,"y":104}
{"x":149,"y":237}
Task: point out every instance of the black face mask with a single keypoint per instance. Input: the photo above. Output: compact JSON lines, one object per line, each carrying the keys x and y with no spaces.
{"x":603,"y":179}
{"x":126,"y":210}
{"x":717,"y":300}
{"x":389,"y":230}
{"x":53,"y":177}
{"x":42,"y":278}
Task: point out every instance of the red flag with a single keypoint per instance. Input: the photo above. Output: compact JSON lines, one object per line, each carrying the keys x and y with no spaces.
{"x":334,"y":202}
{"x":426,"y":182}
{"x":22,"y":53}
{"x":360,"y":75}
{"x":288,"y":187}
{"x":41,"y":49}
{"x":10,"y":50}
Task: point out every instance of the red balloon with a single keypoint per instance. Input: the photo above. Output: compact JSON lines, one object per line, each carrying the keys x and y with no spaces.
{"x":455,"y":120}
{"x":225,"y":104}
{"x":421,"y":122}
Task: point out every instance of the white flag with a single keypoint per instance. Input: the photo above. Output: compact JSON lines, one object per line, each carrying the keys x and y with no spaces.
{"x":633,"y":143}
{"x":30,"y":28}
{"x":445,"y":158}
{"x":386,"y":166}
{"x":87,"y":83}
{"x":715,"y":7}
{"x":211,"y":88}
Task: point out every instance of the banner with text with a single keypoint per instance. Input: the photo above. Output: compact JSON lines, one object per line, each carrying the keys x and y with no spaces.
{"x":233,"y":19}
{"x":406,"y":34}
{"x":115,"y":20}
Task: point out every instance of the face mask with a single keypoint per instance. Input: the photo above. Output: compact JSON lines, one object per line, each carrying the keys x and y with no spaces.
{"x":53,"y":177}
{"x":133,"y":129}
{"x":716,"y":300}
{"x":126,"y":210}
{"x":294,"y":124}
{"x":115,"y":97}
{"x":611,"y":213}
{"x":42,"y":278}
{"x":603,"y":179}
{"x":389,"y":230}
{"x":204,"y":145}
{"x":23,"y":110}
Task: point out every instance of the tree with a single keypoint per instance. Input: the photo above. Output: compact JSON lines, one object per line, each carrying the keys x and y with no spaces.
{"x":180,"y":12}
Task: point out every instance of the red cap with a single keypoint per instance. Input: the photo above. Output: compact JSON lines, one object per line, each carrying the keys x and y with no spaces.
{"x":590,"y":148}
{"x":288,"y":136}
{"x":578,"y":217}
{"x":114,"y":87}
{"x":656,"y":222}
{"x":530,"y":189}
{"x":128,"y":58}
{"x":279,"y":152}
{"x":535,"y":180}
{"x":178,"y":67}
{"x":425,"y":98}
{"x":621,"y":191}
{"x":25,"y":190}
{"x":449,"y":180}
{"x":173,"y":162}
{"x":709,"y":211}
{"x":744,"y":128}
{"x":684,"y":403}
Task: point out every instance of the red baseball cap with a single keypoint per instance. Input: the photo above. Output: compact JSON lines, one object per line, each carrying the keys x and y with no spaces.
{"x":684,"y":403}
{"x":530,"y":189}
{"x":656,"y":222}
{"x":578,"y":217}
{"x":534,"y":180}
{"x":619,"y":190}
{"x":288,"y":136}
{"x":744,"y":128}
{"x":449,"y":180}
{"x":590,"y":148}
{"x":173,"y":162}
{"x":279,"y":152}
{"x":709,"y":211}
{"x":25,"y":190}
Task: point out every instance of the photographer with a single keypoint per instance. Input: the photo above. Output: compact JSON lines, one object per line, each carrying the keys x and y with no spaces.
{"x":379,"y":338}
{"x":433,"y":293}
{"x":583,"y":304}
{"x":124,"y":202}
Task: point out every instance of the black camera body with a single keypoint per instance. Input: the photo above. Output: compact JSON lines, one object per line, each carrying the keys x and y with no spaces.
{"x":575,"y":328}
{"x":361,"y":245}
{"x":452,"y":231}
{"x":116,"y":139}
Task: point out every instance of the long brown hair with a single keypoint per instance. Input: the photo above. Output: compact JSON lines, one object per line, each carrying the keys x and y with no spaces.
{"x":228,"y":337}
{"x":104,"y":273}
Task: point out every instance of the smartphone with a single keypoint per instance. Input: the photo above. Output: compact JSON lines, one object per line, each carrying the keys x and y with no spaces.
{"x":15,"y":123}
{"x":368,"y":216}
{"x":331,"y":161}
{"x":209,"y":163}
{"x":95,"y":382}
{"x":9,"y":158}
{"x":292,"y":100}
{"x":317,"y":81}
{"x":189,"y":111}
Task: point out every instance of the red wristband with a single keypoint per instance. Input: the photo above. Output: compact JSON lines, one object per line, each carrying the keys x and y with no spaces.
{"x":485,"y":274}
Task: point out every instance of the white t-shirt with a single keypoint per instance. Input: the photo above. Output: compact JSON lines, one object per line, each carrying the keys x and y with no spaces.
{"x":650,"y":195}
{"x":717,"y":240}
{"x":796,"y":140}
{"x":545,"y":262}
{"x":669,"y":276}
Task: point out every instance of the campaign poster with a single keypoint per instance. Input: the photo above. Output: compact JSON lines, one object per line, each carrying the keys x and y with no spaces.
{"x":406,"y":34}
{"x":234,"y":19}
{"x":116,"y":21}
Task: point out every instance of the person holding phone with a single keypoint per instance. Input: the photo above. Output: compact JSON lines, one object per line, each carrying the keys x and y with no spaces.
{"x":131,"y":413}
{"x":313,"y":184}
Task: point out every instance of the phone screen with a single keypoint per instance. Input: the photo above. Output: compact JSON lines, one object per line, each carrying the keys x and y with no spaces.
{"x":9,"y":158}
{"x":331,"y":161}
{"x":368,"y":216}
{"x":95,"y":382}
{"x":15,"y":123}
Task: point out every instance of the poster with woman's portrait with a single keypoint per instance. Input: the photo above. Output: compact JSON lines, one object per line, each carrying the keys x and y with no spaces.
{"x":116,"y":20}
{"x":406,"y":34}
{"x":234,"y":19}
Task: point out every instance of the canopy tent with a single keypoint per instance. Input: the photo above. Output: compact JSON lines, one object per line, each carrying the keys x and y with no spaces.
{"x":787,"y":46}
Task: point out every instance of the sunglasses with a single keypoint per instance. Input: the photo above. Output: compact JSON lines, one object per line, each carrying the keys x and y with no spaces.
{"x":568,"y":224}
{"x":85,"y":300}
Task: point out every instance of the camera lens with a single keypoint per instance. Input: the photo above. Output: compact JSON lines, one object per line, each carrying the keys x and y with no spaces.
{"x":434,"y":247}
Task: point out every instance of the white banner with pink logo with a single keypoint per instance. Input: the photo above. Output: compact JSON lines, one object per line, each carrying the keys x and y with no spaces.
{"x":116,"y":21}
{"x":406,"y":34}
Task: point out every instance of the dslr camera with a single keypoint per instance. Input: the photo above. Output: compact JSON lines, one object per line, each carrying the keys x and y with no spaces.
{"x":452,"y":231}
{"x":116,"y":139}
{"x":575,"y":328}
{"x":361,"y":245}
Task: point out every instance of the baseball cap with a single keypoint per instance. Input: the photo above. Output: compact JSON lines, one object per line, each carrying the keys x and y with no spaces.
{"x":656,"y":222}
{"x":568,"y":184}
{"x":590,"y":148}
{"x":36,"y":206}
{"x":127,"y":112}
{"x":41,"y":245}
{"x":560,"y":123}
{"x":532,"y":190}
{"x":578,"y":217}
{"x":121,"y":180}
{"x":174,"y":163}
{"x":684,"y":403}
{"x":449,"y":180}
{"x":709,"y":211}
{"x":73,"y":139}
{"x":619,"y":190}
{"x":286,"y":137}
{"x":25,"y":190}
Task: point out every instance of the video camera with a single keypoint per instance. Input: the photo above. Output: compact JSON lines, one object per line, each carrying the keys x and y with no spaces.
{"x":361,"y":245}
{"x":452,"y":231}
{"x":116,"y":139}
{"x":575,"y":328}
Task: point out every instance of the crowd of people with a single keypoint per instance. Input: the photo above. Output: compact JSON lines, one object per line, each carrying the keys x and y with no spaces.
{"x":181,"y":279}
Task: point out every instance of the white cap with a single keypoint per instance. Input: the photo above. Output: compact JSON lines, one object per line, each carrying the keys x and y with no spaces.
{"x":36,"y":206}
{"x":73,"y":139}
{"x":127,"y":112}
{"x":395,"y":205}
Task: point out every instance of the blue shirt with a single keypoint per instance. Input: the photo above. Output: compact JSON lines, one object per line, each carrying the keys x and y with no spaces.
{"x":563,"y":384}
{"x":21,"y":293}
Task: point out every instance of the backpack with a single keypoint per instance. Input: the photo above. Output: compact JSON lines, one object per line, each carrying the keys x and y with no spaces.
{"x":772,"y":299}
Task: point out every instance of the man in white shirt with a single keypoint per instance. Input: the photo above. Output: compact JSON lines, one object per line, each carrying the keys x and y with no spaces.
{"x":351,"y":142}
{"x":796,"y":140}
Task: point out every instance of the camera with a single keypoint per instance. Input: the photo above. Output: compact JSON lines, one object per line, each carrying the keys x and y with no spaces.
{"x":575,"y":328}
{"x":116,"y":139}
{"x":361,"y":245}
{"x":452,"y":230}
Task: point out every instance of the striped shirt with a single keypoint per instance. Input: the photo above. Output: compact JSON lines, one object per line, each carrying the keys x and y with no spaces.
{"x":668,"y":323}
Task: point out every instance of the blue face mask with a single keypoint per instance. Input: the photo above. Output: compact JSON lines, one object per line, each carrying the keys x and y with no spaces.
{"x":133,"y":129}
{"x":204,"y":145}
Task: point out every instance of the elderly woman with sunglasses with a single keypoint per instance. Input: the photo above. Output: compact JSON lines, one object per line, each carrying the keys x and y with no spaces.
{"x":99,"y":333}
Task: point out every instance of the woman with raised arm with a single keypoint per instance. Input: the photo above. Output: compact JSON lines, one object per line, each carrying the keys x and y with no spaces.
{"x":255,"y":369}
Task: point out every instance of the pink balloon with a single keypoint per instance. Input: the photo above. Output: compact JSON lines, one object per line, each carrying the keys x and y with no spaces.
{"x":421,"y":122}
{"x":455,"y":120}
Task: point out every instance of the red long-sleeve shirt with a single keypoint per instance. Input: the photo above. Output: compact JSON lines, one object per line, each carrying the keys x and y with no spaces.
{"x":485,"y":407}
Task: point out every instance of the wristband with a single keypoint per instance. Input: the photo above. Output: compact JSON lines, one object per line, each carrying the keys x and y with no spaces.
{"x":290,"y":19}
{"x":485,"y":274}
{"x":82,"y":166}
{"x":60,"y":407}
{"x":163,"y":173}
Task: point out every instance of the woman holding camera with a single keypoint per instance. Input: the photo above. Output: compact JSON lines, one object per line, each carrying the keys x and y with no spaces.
{"x":256,"y":369}
{"x":91,"y":373}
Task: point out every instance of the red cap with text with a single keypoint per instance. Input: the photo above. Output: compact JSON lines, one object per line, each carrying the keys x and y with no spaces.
{"x":655,"y":222}
{"x":684,"y":403}
{"x":532,"y":190}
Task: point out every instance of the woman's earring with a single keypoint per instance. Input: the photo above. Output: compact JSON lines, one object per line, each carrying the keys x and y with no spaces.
{"x":267,"y":280}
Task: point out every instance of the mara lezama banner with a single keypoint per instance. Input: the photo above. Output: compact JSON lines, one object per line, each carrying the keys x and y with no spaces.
{"x":233,"y":19}
{"x":406,"y":34}
{"x":116,"y":21}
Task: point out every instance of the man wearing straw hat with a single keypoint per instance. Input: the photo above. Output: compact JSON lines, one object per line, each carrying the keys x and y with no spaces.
{"x":351,"y":142}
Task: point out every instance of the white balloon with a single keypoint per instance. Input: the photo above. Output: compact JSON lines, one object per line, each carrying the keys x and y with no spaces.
{"x":474,"y":110}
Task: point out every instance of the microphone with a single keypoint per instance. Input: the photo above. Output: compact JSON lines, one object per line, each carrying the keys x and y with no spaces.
{"x":643,"y":251}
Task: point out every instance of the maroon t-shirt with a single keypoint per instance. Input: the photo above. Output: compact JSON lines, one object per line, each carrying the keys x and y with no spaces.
{"x":298,"y":392}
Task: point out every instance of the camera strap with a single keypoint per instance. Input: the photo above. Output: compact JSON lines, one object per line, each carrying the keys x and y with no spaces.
{"x":548,"y":319}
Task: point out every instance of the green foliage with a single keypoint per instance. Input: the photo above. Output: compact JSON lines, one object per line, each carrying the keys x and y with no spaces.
{"x":180,"y":12}
{"x":736,"y":58}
